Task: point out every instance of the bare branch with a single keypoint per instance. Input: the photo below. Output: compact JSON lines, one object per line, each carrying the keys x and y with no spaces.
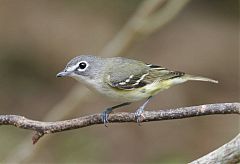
{"x":42,"y":128}
{"x":226,"y":154}
{"x":149,"y":17}
{"x":166,"y":14}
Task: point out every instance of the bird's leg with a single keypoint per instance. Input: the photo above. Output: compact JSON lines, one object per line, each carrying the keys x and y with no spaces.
{"x":140,"y":110}
{"x":105,"y":114}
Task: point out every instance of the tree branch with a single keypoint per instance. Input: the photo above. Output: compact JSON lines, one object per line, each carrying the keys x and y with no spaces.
{"x":226,"y":154}
{"x":42,"y":128}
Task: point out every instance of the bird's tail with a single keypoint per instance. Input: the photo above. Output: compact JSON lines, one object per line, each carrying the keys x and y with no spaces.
{"x":199,"y":78}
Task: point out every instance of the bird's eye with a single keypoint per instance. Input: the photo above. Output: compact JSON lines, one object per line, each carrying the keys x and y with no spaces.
{"x":82,"y":65}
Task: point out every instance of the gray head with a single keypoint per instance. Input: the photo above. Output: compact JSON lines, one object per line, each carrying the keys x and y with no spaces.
{"x":83,"y":67}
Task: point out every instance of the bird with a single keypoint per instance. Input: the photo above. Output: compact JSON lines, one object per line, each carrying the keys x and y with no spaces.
{"x":124,"y":80}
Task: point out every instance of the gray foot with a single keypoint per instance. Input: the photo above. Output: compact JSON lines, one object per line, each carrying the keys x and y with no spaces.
{"x":105,"y":115}
{"x":139,"y":114}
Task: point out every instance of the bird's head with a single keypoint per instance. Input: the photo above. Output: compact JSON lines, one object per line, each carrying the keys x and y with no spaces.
{"x":83,"y":67}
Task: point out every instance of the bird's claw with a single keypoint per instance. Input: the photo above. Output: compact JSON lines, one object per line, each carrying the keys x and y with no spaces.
{"x":104,"y":116}
{"x":139,"y":115}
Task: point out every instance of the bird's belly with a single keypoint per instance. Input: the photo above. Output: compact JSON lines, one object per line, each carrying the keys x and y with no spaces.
{"x":121,"y":95}
{"x":132,"y":95}
{"x":127,"y":95}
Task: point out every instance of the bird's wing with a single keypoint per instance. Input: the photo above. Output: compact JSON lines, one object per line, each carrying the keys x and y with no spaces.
{"x":138,"y":76}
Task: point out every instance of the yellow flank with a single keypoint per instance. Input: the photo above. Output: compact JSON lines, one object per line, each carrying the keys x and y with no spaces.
{"x":139,"y":93}
{"x":160,"y":86}
{"x":153,"y":88}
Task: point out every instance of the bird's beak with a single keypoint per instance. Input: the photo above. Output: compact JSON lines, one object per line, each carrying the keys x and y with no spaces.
{"x":63,"y":73}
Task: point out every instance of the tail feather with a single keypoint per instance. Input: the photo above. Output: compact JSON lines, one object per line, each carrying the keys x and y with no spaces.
{"x":199,"y":78}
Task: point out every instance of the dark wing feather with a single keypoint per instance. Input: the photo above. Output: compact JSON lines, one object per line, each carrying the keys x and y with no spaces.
{"x":160,"y":73}
{"x":129,"y":83}
{"x":139,"y":78}
{"x":125,"y":76}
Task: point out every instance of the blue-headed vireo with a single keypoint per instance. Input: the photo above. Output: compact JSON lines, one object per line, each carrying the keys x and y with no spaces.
{"x":124,"y":80}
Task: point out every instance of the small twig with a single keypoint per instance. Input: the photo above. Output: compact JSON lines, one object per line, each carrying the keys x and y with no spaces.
{"x":149,"y":17}
{"x":42,"y":128}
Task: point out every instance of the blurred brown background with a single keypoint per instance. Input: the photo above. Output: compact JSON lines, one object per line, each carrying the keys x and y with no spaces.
{"x":39,"y":37}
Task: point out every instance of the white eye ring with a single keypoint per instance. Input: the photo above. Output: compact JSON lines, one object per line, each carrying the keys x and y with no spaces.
{"x":82,"y":66}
